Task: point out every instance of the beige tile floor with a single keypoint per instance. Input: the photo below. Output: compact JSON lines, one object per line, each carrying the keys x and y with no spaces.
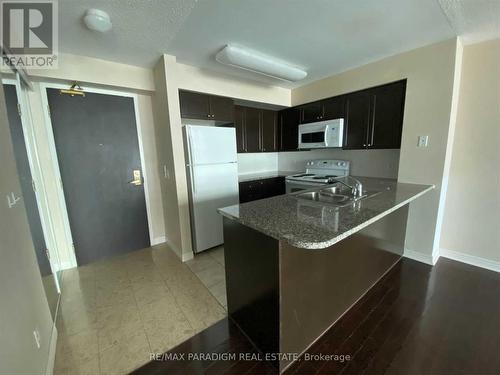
{"x":209,"y":267}
{"x":114,"y":313}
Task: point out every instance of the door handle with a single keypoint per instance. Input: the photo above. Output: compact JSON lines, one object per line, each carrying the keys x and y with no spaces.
{"x":137,"y":181}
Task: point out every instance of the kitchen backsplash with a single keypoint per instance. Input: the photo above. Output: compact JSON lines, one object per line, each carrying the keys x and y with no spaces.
{"x":369,"y":163}
{"x":257,"y":162}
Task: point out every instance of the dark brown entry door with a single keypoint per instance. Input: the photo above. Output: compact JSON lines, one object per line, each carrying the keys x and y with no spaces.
{"x":98,"y":152}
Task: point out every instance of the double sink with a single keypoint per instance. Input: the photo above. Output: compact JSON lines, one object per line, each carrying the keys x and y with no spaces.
{"x":338,"y":196}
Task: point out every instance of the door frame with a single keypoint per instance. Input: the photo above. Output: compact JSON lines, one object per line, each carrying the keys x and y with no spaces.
{"x":37,"y":177}
{"x":55,"y":162}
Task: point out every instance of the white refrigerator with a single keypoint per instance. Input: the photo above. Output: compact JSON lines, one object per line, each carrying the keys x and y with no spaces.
{"x":212,"y":170}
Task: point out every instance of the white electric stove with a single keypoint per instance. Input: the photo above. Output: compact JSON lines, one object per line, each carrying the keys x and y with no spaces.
{"x":318,"y":172}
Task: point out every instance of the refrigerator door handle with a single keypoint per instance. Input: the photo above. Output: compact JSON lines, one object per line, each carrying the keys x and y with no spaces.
{"x":190,"y":161}
{"x":191,"y":177}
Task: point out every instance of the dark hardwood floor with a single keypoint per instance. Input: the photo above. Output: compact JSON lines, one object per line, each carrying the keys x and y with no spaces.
{"x":417,"y":320}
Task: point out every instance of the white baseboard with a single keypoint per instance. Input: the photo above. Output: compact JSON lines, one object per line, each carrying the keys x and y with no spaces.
{"x":176,"y":250}
{"x":52,"y":352}
{"x":471,"y":259}
{"x":421,"y":257}
{"x":158,"y":240}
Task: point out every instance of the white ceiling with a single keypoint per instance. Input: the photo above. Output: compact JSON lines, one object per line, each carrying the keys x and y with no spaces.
{"x":473,"y":20}
{"x":322,"y":36}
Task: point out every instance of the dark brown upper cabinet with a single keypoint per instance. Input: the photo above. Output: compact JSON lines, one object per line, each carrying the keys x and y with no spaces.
{"x":194,"y":105}
{"x":334,"y":108}
{"x":256,"y":129}
{"x":387,"y":116}
{"x":221,"y":109}
{"x":374,"y":117}
{"x":357,"y":120}
{"x":311,"y":112}
{"x":206,"y":107}
{"x":269,"y":129}
{"x":239,"y":125}
{"x":252,"y":129}
{"x":288,"y":131}
{"x":327,"y":109}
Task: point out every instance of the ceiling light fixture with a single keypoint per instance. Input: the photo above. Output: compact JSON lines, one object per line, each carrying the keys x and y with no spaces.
{"x":97,"y":20}
{"x":259,"y":63}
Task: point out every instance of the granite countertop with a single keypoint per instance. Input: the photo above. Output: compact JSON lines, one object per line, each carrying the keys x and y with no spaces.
{"x":263,"y":175}
{"x":315,"y":225}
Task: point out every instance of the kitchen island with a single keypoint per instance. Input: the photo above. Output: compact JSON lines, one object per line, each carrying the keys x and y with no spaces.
{"x":294,"y":265}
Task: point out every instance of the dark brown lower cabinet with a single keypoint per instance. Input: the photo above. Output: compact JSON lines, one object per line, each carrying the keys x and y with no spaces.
{"x":260,"y":189}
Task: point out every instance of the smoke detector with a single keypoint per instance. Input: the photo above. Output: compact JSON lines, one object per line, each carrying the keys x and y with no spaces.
{"x":97,"y":20}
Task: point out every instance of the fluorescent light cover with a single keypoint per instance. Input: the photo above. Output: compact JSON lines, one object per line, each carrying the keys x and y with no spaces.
{"x":256,"y":62}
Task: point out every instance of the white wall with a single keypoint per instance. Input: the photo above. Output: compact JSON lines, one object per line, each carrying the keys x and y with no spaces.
{"x":97,"y":71}
{"x":430,"y":96}
{"x":472,"y":213}
{"x":100,"y":74}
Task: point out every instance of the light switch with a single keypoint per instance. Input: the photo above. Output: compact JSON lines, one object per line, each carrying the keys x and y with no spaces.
{"x":422,"y":140}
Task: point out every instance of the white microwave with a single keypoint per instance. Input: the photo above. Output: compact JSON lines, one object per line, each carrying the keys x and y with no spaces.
{"x":322,"y":134}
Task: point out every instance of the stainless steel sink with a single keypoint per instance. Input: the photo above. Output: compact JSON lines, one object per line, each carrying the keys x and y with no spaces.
{"x":334,"y":195}
{"x":339,"y":189}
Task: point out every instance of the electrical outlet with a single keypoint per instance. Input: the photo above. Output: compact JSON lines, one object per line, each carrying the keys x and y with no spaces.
{"x":423,"y":140}
{"x":36,"y":334}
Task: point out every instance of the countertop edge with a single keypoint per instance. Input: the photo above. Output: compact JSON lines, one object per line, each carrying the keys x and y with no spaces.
{"x":325,"y":244}
{"x":333,"y":241}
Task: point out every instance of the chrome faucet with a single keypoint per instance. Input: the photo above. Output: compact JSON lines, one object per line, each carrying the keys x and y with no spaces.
{"x":356,"y":188}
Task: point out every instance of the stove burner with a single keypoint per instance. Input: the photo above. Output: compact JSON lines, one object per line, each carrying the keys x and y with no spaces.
{"x":330,"y":176}
{"x":303,"y":175}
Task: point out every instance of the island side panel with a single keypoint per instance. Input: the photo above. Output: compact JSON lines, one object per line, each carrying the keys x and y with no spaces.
{"x":252,"y":283}
{"x":319,"y":286}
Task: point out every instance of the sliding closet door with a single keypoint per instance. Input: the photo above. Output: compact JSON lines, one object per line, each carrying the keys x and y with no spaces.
{"x":29,"y":196}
